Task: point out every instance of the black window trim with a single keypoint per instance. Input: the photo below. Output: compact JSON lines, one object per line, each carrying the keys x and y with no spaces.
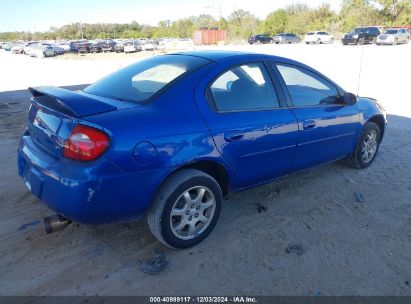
{"x":284,"y":87}
{"x":277,"y":89}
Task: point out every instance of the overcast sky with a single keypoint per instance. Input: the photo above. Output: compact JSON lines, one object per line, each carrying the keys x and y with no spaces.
{"x":39,"y":15}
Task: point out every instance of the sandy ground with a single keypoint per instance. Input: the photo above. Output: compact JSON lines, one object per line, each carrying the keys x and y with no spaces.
{"x":350,"y":247}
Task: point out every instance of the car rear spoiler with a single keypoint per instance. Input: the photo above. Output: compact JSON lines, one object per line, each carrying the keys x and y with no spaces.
{"x":72,"y":103}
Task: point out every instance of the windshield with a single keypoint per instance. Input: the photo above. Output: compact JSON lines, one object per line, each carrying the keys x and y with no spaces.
{"x":391,"y":32}
{"x":358,"y":30}
{"x":140,"y":81}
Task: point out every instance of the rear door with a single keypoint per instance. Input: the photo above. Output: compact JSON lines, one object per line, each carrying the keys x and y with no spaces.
{"x":327,"y":127}
{"x":250,"y":124}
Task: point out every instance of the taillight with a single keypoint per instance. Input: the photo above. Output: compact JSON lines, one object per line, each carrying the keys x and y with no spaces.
{"x":86,"y":143}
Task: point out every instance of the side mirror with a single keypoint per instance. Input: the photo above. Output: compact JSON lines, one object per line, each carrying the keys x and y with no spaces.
{"x":349,"y":98}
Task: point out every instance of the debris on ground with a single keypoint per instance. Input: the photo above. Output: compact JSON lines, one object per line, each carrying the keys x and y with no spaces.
{"x":359,"y":198}
{"x":307,"y":225}
{"x":294,"y":248}
{"x":261,"y":208}
{"x":30,"y":224}
{"x":155,"y":264}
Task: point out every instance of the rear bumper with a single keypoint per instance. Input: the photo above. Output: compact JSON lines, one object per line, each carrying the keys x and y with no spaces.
{"x":92,"y":193}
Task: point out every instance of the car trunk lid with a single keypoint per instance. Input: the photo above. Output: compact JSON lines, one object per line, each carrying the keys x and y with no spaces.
{"x":54,"y":112}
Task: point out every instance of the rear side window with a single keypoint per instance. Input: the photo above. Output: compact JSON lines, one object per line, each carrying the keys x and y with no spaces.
{"x":307,"y":88}
{"x":140,"y":81}
{"x":245,"y":87}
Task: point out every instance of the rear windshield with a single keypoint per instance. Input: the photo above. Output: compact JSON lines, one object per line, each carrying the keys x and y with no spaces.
{"x":391,"y":32}
{"x":140,"y":81}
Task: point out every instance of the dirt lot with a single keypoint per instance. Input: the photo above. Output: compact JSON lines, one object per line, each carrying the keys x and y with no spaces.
{"x":350,"y":247}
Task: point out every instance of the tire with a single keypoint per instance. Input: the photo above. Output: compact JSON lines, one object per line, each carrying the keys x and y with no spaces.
{"x":172,"y":195}
{"x":55,"y":53}
{"x":361,"y":41}
{"x":344,"y":43}
{"x":357,"y":159}
{"x":395,"y":41}
{"x":407,"y":40}
{"x":44,"y":54}
{"x":318,"y":41}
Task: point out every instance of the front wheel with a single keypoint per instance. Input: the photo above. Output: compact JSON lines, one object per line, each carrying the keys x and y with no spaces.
{"x":185,"y":209}
{"x":367,"y":147}
{"x":332,"y":40}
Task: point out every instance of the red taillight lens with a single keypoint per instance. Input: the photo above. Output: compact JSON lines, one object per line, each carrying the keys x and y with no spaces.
{"x":86,"y":143}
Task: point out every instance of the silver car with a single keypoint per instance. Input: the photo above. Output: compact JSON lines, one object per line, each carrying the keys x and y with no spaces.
{"x":43,"y":50}
{"x":394,"y":36}
{"x":286,"y":38}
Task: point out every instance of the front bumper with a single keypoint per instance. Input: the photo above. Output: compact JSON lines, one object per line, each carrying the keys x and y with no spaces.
{"x":350,"y":40}
{"x":92,"y":193}
{"x":385,"y":41}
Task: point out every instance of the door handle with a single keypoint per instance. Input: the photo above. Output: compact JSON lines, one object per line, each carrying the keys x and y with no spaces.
{"x":308,"y":124}
{"x":235,"y":136}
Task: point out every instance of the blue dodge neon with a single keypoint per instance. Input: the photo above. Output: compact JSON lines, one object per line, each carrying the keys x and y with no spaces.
{"x":170,"y":136}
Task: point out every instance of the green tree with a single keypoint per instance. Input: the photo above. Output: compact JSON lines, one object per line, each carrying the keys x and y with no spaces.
{"x":242,"y":24}
{"x":276,"y":22}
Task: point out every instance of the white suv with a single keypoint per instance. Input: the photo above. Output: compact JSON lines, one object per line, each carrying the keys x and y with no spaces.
{"x":318,"y":37}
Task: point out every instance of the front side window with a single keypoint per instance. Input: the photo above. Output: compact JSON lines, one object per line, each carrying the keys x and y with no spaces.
{"x":245,"y":87}
{"x":307,"y":88}
{"x":140,"y":81}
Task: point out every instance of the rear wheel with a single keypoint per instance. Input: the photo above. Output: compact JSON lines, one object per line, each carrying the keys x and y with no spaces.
{"x":185,"y":209}
{"x":367,"y":147}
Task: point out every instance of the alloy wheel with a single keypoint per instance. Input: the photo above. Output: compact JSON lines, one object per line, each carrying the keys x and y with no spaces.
{"x":369,"y":146}
{"x":192,"y":212}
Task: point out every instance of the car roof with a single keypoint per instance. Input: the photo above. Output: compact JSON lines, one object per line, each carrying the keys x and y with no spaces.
{"x":221,"y":55}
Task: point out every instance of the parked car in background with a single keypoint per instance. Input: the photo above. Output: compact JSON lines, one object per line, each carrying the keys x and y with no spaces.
{"x":318,"y":37}
{"x":119,"y":48}
{"x":28,"y":46}
{"x":65,"y":46}
{"x":149,"y":45}
{"x":43,"y":50}
{"x":82,"y":46}
{"x":18,"y":48}
{"x":260,"y":39}
{"x":286,"y":38}
{"x":132,"y":46}
{"x":96,"y":46}
{"x":394,"y":36}
{"x":7,"y":47}
{"x":58,"y":49}
{"x":361,"y":35}
{"x":170,"y":135}
{"x":108,"y":45}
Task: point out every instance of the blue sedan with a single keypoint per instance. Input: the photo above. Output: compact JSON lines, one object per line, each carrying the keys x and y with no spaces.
{"x":170,"y":136}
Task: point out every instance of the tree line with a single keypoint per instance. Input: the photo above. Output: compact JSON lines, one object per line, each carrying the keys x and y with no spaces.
{"x":296,"y":18}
